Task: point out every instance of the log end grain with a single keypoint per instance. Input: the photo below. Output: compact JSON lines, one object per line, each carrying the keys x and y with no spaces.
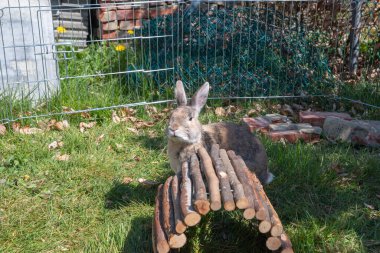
{"x":273,"y":243}
{"x":192,"y":219}
{"x":180,"y":227}
{"x":216,"y":205}
{"x":177,"y":241}
{"x":261,"y":214}
{"x":242,"y":203}
{"x":229,"y":205}
{"x":265,"y":226}
{"x":249,"y":213}
{"x":202,"y":206}
{"x":276,"y":230}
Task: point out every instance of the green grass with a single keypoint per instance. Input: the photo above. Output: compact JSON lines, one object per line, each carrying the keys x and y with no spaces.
{"x":81,"y":205}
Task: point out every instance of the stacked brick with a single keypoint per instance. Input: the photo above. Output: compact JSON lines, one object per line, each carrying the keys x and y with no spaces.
{"x":278,"y":127}
{"x":117,"y":20}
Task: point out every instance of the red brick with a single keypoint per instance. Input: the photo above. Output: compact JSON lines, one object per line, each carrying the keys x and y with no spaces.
{"x":318,"y":118}
{"x":107,"y":16}
{"x":256,"y":123}
{"x":293,"y":136}
{"x":125,"y":7}
{"x":107,"y":7}
{"x":110,"y":35}
{"x":126,"y":25}
{"x":162,"y":11}
{"x":110,"y":26}
{"x":131,"y":14}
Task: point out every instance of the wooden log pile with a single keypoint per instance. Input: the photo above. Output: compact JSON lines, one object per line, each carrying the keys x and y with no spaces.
{"x":210,"y":181}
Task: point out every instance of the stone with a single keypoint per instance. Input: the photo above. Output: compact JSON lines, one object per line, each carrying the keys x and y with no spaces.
{"x":361,"y":132}
{"x":275,"y":118}
{"x":318,"y":118}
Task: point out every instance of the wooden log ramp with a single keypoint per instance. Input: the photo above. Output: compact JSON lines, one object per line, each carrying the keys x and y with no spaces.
{"x":211,"y":181}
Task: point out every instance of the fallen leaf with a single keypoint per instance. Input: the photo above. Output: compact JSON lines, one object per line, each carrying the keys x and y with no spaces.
{"x":16,"y":126}
{"x":231,"y":109}
{"x":3,"y":129}
{"x":133,"y":130}
{"x":26,"y":177}
{"x":55,"y":144}
{"x":252,"y":112}
{"x":119,"y":146}
{"x":64,"y":157}
{"x":83,"y":126}
{"x":99,"y":139}
{"x":369,"y":206}
{"x":127,"y":180}
{"x":126,"y":112}
{"x":337,"y":168}
{"x":85,"y":115}
{"x":116,"y":119}
{"x":166,"y":110}
{"x":67,"y":109}
{"x":152,"y":134}
{"x":219,"y":111}
{"x":147,"y":182}
{"x":151,"y":109}
{"x":143,"y":124}
{"x":137,"y":158}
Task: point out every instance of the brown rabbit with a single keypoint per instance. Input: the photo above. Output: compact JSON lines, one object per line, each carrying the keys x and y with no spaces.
{"x":186,"y":134}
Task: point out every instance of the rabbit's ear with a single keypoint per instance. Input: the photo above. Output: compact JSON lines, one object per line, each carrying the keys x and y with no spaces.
{"x":180,"y":94}
{"x":200,"y":97}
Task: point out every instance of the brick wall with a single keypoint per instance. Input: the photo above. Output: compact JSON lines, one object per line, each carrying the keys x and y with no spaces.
{"x":117,"y":20}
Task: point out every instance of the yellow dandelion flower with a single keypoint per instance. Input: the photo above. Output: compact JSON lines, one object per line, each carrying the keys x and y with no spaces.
{"x":61,"y":29}
{"x":26,"y":177}
{"x":120,"y":47}
{"x":131,"y":32}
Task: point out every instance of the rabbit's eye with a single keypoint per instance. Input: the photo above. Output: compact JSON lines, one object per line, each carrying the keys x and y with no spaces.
{"x":190,"y":118}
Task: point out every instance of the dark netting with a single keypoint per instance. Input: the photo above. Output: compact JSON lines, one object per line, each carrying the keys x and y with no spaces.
{"x":257,"y":50}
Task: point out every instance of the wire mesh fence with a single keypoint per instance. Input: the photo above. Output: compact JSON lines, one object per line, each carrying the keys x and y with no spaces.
{"x":75,"y":56}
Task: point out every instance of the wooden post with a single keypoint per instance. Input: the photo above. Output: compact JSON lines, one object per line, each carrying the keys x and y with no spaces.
{"x":175,"y":240}
{"x":160,"y":244}
{"x":354,"y":35}
{"x":228,"y":199}
{"x":201,"y":204}
{"x":191,"y":217}
{"x":212,"y":179}
{"x":239,"y":196}
{"x":180,"y":226}
{"x":249,"y":212}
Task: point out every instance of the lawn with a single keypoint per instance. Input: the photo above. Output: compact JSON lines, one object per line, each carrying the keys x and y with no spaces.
{"x":327,"y":195}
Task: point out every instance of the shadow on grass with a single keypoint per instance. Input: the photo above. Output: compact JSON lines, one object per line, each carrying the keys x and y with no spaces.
{"x":139,"y":238}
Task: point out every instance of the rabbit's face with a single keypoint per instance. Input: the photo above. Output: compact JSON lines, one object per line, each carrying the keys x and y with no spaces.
{"x":184,"y":125}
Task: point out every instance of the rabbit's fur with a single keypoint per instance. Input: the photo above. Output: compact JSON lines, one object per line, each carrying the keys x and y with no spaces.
{"x":186,"y":134}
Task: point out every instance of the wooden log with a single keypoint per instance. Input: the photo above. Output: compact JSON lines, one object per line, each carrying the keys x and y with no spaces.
{"x":277,"y":228}
{"x":238,"y":191}
{"x":160,"y":244}
{"x":180,"y":226}
{"x":227,"y":197}
{"x":259,"y":197}
{"x":267,"y":208}
{"x":249,"y":212}
{"x":175,"y":239}
{"x":190,"y":217}
{"x":259,"y":203}
{"x":286,"y":245}
{"x":273,"y":243}
{"x":201,"y":204}
{"x":212,"y":179}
